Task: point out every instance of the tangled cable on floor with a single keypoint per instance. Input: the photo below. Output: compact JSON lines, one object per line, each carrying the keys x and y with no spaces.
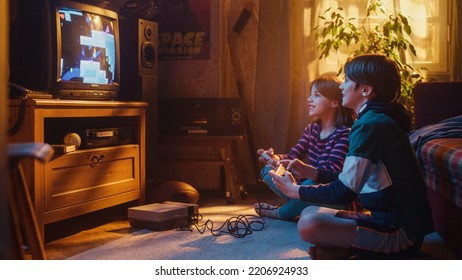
{"x":237,"y":226}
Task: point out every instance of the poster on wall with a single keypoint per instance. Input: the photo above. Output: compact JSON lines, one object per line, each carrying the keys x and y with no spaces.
{"x":184,"y":29}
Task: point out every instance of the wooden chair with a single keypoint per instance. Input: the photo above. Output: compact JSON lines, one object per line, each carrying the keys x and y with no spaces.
{"x":27,"y":237}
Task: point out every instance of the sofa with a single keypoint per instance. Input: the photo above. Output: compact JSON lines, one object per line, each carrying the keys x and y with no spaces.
{"x":437,"y":140}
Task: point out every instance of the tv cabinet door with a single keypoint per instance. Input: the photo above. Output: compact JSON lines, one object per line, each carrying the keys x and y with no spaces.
{"x":90,"y":179}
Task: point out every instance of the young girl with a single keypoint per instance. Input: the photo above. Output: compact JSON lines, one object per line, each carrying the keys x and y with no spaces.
{"x":323,"y":145}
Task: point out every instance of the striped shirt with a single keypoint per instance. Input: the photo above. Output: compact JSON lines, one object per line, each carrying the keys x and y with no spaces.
{"x":327,"y":154}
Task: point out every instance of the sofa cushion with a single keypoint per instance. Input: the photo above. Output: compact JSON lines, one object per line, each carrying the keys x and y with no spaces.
{"x":441,"y":161}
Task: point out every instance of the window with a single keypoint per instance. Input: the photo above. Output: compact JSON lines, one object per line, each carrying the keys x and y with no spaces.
{"x":430,"y":32}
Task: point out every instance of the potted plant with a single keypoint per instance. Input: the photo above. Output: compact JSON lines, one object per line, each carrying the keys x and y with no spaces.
{"x":380,"y":32}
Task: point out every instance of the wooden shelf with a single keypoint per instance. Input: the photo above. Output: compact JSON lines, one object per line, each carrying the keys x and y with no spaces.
{"x":203,"y":151}
{"x":86,"y":180}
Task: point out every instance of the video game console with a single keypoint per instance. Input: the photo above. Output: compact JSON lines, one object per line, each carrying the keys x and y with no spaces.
{"x":162,"y":216}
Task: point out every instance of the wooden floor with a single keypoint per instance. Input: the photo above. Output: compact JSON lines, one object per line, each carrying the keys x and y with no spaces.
{"x":76,"y":235}
{"x":73,"y":236}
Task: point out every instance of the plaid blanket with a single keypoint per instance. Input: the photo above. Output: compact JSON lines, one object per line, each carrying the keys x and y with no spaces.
{"x":439,"y":149}
{"x":448,"y":128}
{"x":441,"y":161}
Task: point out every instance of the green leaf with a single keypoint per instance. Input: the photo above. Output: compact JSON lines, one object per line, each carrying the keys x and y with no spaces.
{"x":407,"y":29}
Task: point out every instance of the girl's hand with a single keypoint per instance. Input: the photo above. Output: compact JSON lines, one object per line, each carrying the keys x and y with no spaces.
{"x":267,"y":157}
{"x":286,"y":184}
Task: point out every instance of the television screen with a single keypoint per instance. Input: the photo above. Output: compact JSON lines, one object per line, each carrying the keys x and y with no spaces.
{"x":88,"y":50}
{"x":66,"y":48}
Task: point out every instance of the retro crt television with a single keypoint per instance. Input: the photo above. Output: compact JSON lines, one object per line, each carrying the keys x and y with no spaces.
{"x":66,"y":48}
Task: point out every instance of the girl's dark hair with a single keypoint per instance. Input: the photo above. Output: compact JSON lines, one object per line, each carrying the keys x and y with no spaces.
{"x":329,"y":86}
{"x":377,"y":71}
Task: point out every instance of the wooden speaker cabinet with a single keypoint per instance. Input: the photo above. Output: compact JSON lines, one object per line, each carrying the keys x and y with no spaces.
{"x":85,"y":180}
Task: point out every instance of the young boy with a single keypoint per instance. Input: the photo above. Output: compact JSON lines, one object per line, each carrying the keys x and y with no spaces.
{"x":380,"y":168}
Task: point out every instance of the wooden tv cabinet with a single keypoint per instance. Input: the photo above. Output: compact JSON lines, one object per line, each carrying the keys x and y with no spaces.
{"x":87,"y":179}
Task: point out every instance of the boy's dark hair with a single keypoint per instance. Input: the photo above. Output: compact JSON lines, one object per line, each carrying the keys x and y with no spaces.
{"x":377,"y":71}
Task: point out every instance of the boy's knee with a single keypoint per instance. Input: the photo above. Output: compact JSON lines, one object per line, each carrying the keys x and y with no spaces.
{"x":308,"y":226}
{"x":310,"y":210}
{"x":313,"y":223}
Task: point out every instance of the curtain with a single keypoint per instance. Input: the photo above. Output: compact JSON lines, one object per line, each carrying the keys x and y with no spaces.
{"x":284,"y":52}
{"x":269,"y":59}
{"x":275,"y":59}
{"x":268,"y":62}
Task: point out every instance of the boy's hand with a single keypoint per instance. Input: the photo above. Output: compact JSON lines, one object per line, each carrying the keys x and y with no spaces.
{"x":300,"y":170}
{"x":286,"y":184}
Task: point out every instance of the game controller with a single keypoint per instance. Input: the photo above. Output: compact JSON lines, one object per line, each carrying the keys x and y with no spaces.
{"x":266,"y":156}
{"x":280,"y":170}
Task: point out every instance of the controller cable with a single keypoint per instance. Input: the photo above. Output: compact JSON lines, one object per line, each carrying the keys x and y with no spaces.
{"x":237,"y":226}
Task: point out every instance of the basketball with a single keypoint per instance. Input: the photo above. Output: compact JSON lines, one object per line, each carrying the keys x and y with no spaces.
{"x":175,"y":191}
